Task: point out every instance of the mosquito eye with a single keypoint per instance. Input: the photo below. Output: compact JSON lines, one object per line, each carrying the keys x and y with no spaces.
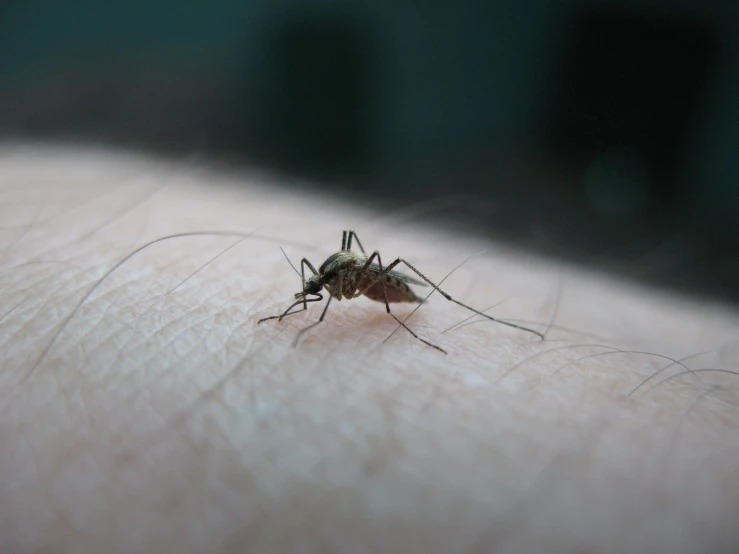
{"x":312,"y":287}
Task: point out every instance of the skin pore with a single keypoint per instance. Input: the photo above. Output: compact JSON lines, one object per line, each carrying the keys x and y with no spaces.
{"x":148,"y":412}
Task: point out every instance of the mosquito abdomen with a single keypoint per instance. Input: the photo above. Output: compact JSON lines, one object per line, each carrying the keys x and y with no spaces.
{"x":397,"y":291}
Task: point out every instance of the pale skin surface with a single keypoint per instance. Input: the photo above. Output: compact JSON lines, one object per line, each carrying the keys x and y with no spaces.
{"x":143,"y":421}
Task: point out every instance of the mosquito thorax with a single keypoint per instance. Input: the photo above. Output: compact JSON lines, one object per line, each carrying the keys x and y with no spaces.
{"x":343,"y":259}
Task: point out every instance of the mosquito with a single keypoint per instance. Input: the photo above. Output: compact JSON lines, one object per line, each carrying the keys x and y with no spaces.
{"x":349,"y":274}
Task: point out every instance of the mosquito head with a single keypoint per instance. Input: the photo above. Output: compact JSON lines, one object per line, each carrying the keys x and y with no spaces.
{"x":312,"y":286}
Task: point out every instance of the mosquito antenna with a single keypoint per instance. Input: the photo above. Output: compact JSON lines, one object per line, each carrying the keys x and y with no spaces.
{"x":288,"y":261}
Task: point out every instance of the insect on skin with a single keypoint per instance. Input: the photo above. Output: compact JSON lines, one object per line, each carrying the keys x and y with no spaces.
{"x":349,"y":274}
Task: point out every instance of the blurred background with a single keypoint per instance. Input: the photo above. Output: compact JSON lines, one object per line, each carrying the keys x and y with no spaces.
{"x":603,"y":132}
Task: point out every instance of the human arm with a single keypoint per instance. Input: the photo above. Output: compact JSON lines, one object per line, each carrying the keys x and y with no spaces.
{"x":141,"y":413}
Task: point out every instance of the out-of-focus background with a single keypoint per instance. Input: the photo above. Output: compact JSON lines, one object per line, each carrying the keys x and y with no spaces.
{"x":602,"y":132}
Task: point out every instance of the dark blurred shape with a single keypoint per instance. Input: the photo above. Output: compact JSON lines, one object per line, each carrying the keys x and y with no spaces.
{"x":604,"y":135}
{"x":630,"y":90}
{"x":312,"y":97}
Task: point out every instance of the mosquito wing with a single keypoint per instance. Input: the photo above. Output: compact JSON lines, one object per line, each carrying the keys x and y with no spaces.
{"x":400,"y":276}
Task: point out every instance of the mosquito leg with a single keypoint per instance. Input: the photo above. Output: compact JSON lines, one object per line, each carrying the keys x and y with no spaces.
{"x":367,"y":264}
{"x":302,"y":277}
{"x":304,"y":262}
{"x":380,"y":276}
{"x":323,"y":314}
{"x":288,"y":312}
{"x":343,"y":240}
{"x":353,"y":235}
{"x":282,"y":315}
{"x":448,"y":297}
{"x":309,"y":327}
{"x":432,"y":345}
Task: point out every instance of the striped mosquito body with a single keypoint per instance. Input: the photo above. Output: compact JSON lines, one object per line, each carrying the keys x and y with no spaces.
{"x":349,"y":274}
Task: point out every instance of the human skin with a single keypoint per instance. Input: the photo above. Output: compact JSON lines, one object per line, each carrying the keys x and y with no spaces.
{"x":141,"y":413}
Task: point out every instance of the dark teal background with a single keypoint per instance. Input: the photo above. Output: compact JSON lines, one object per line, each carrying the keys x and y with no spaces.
{"x":397,"y":101}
